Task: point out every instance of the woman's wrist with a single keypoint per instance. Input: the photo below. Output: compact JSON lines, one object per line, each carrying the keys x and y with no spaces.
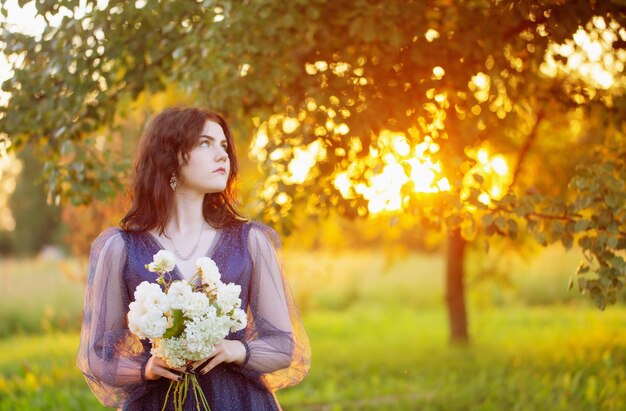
{"x":143,"y":369}
{"x":246,"y":356}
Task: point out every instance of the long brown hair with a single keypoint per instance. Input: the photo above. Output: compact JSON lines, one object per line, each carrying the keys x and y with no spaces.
{"x":171,"y":133}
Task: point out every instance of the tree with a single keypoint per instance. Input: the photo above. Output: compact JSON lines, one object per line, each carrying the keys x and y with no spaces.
{"x":408,"y":108}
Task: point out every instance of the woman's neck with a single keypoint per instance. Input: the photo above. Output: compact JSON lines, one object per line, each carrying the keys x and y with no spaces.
{"x":186,"y":213}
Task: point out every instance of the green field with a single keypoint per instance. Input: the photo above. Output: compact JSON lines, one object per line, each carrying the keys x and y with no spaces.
{"x":379,"y":339}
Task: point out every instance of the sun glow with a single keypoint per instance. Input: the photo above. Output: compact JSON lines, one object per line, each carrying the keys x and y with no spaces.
{"x":401,"y":165}
{"x":390,"y":174}
{"x":494,"y":171}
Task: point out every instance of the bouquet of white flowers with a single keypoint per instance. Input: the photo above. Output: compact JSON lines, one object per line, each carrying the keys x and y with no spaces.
{"x":185,"y":322}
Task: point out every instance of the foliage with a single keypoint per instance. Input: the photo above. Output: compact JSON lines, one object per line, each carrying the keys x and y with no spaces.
{"x":331,"y":78}
{"x":36,"y":222}
{"x":322,"y":280}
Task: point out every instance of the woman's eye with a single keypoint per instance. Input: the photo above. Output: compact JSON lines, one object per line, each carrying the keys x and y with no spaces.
{"x":204,"y":143}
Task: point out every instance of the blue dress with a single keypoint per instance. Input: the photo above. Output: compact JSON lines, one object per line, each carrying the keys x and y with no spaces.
{"x":113,"y":359}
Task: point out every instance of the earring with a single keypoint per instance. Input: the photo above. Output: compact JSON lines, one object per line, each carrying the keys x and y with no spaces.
{"x":173,"y":182}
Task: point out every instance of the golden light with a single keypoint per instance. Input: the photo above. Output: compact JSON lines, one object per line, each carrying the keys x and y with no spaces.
{"x":383,"y":189}
{"x":401,"y":146}
{"x":590,"y":55}
{"x":342,"y":129}
{"x":260,"y":140}
{"x":499,"y":165}
{"x":431,"y":34}
{"x":290,"y":125}
{"x":494,"y":170}
{"x":303,"y":161}
{"x":321,"y":65}
{"x":480,"y":85}
{"x":438,"y":72}
{"x":10,"y":168}
{"x":389,"y":173}
{"x":482,"y":156}
{"x":243,"y":70}
{"x":282,"y":199}
{"x":343,"y":184}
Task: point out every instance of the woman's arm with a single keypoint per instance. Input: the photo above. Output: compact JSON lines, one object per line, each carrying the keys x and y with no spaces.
{"x":111,"y":358}
{"x":277,"y":345}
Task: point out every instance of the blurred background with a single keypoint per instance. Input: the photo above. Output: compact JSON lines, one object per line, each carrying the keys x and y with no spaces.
{"x":447,"y":178}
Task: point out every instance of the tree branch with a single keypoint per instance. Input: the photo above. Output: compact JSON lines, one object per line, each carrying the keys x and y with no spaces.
{"x":530,"y":139}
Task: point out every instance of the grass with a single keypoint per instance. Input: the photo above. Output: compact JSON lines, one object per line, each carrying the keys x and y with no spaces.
{"x":379,"y":338}
{"x":369,"y":357}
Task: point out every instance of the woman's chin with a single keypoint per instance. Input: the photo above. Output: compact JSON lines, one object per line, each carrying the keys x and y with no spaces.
{"x":214,"y":190}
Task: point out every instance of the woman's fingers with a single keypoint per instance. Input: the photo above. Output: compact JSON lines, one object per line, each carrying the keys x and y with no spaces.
{"x":164,"y":372}
{"x":156,"y":368}
{"x":216,"y":360}
{"x":197,"y":365}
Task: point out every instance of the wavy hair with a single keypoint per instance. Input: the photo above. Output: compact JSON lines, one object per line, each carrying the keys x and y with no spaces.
{"x":170,"y":135}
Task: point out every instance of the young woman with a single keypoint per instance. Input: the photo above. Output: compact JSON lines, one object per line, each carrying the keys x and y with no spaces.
{"x":183,"y":201}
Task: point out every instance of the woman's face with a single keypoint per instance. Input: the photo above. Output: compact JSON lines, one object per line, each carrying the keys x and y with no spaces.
{"x":209,"y":166}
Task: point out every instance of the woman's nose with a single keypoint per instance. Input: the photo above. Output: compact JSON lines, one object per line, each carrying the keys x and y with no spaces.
{"x":221,"y":154}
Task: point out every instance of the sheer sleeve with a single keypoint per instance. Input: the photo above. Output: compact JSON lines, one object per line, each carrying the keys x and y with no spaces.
{"x":278,"y":349}
{"x":110,"y":357}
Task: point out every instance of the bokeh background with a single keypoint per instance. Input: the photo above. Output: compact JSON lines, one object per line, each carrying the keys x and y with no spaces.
{"x":448,"y":179}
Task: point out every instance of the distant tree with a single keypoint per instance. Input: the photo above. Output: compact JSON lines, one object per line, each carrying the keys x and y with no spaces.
{"x":443,"y":114}
{"x":36,"y":221}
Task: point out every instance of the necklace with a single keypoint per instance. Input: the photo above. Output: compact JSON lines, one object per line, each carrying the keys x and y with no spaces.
{"x":193,"y":250}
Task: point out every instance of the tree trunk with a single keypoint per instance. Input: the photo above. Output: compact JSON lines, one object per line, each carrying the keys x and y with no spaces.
{"x":455,"y":290}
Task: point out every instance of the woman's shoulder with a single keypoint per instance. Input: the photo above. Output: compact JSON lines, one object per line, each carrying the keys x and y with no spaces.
{"x":109,"y":237}
{"x":261,"y":232}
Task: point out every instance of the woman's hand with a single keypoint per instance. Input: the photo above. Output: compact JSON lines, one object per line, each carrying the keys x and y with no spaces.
{"x":228,"y":351}
{"x":157,"y":368}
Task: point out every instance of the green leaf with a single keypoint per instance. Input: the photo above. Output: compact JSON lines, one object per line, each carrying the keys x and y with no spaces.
{"x":522,"y":210}
{"x":567,"y":241}
{"x":619,"y":264}
{"x":557,"y":228}
{"x":512,"y":228}
{"x":585,"y":242}
{"x":178,"y":325}
{"x":500,"y":223}
{"x":581,"y":225}
{"x":487,"y":220}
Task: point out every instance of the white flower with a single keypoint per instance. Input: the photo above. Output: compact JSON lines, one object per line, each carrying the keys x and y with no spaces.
{"x":156,"y":301}
{"x":135,"y":317}
{"x":172,"y":350}
{"x":144,"y":289}
{"x":136,"y":309}
{"x":197,"y":305}
{"x":135,"y":326}
{"x":228,"y":296}
{"x":208,"y":317}
{"x":162,"y":261}
{"x":154,"y":324}
{"x":209,"y":270}
{"x":240,"y":320}
{"x":179,"y":294}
